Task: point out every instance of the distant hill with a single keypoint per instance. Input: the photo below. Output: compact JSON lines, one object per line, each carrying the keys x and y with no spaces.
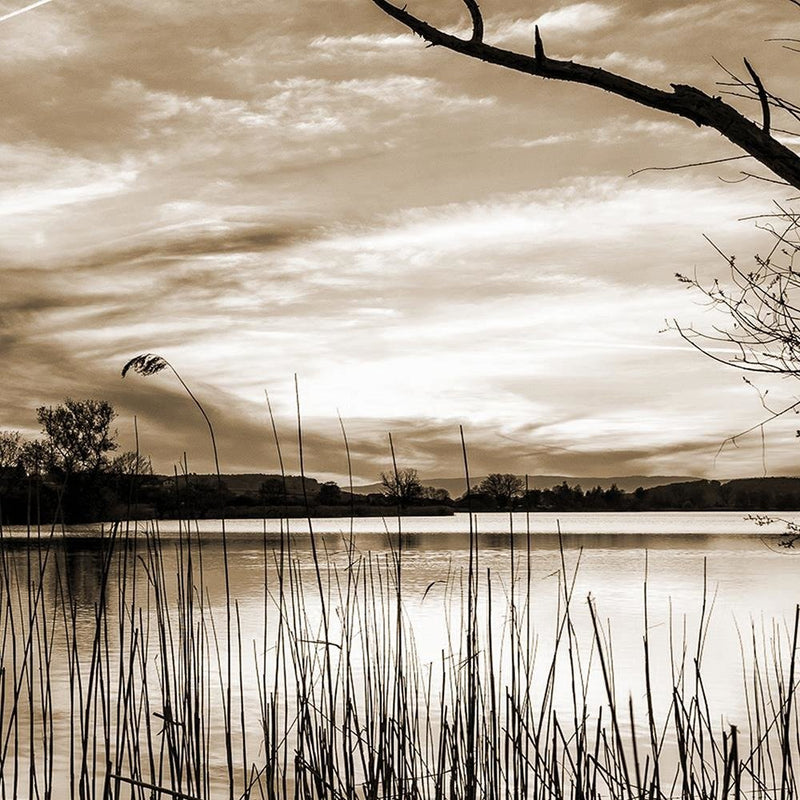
{"x":628,"y":483}
{"x":250,"y":483}
{"x":660,"y":492}
{"x":742,"y":494}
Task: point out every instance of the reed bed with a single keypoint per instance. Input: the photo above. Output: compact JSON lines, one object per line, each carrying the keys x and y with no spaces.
{"x":118,"y":681}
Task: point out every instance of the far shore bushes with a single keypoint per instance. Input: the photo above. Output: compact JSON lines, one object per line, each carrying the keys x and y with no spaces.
{"x":92,"y":497}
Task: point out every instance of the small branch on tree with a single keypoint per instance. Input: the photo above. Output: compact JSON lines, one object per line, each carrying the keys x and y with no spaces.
{"x":773,"y":415}
{"x":686,"y":166}
{"x":762,"y":304}
{"x":747,"y":175}
{"x":538,"y":47}
{"x":762,"y":96}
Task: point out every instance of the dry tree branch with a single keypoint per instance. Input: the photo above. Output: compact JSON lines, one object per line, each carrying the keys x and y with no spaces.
{"x":757,"y":91}
{"x":477,"y":20}
{"x":686,"y":166}
{"x":747,"y":175}
{"x":773,"y":415}
{"x":762,"y":96}
{"x":762,"y":304}
{"x":683,"y":101}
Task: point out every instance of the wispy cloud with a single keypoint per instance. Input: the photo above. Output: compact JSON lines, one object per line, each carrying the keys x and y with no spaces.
{"x":24,"y":10}
{"x":577,"y":18}
{"x":374,"y":45}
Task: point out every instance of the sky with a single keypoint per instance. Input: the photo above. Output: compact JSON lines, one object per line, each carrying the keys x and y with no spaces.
{"x":258,"y":190}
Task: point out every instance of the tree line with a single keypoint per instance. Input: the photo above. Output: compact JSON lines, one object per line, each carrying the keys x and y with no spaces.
{"x":745,"y":494}
{"x":508,"y":492}
{"x":73,"y":472}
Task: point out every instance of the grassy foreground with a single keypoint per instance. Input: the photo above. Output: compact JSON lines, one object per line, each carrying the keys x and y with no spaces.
{"x":135,"y":684}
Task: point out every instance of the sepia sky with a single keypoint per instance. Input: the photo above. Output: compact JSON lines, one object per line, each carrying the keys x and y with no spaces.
{"x":258,"y":189}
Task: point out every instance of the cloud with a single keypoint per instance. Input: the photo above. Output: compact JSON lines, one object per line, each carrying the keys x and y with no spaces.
{"x":35,"y":34}
{"x":637,"y":65}
{"x":37,"y":179}
{"x":367,"y":45}
{"x":590,"y":213}
{"x":544,"y":141}
{"x":231,"y":303}
{"x":577,"y":18}
{"x":613,"y":132}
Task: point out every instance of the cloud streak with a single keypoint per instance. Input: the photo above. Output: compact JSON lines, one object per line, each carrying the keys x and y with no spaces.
{"x":25,"y":10}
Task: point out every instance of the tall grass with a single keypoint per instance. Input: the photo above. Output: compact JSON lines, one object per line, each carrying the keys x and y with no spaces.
{"x":118,"y":687}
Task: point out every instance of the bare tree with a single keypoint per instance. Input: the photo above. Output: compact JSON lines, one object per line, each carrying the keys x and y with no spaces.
{"x":131,"y":464}
{"x":760,"y":305}
{"x":402,"y":486}
{"x":685,"y":101}
{"x":758,"y":328}
{"x":502,"y":488}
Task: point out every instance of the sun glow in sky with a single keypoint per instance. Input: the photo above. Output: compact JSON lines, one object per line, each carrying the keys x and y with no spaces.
{"x":254,"y":190}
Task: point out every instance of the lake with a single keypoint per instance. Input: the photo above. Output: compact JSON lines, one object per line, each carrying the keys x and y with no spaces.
{"x":120,"y":635}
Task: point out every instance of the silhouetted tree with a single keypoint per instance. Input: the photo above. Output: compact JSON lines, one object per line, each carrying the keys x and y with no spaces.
{"x":79,"y":433}
{"x":130,"y":463}
{"x":564,"y":497}
{"x":401,"y":487}
{"x":12,"y":474}
{"x":612,"y":496}
{"x":11,"y":446}
{"x":594,"y":498}
{"x":502,"y":488}
{"x":434,"y":494}
{"x":78,"y":442}
{"x":36,"y":457}
{"x":330,"y":494}
{"x":272,"y":491}
{"x":532,"y":499}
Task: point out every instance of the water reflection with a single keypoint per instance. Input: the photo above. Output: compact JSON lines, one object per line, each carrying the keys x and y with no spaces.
{"x":83,"y":567}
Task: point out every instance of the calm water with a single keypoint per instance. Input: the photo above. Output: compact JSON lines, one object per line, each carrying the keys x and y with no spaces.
{"x":729,"y":562}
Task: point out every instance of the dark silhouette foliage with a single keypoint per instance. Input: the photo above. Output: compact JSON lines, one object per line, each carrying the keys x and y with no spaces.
{"x":401,"y":487}
{"x":502,"y":488}
{"x":79,"y":434}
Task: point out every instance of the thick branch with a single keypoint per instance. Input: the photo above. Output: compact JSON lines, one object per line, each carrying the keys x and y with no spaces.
{"x":477,"y":20}
{"x":683,"y":101}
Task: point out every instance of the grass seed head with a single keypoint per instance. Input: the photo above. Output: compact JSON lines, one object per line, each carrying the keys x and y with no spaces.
{"x":145,"y":364}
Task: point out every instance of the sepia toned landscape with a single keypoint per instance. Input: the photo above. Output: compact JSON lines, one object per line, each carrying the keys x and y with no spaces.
{"x":399,"y":401}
